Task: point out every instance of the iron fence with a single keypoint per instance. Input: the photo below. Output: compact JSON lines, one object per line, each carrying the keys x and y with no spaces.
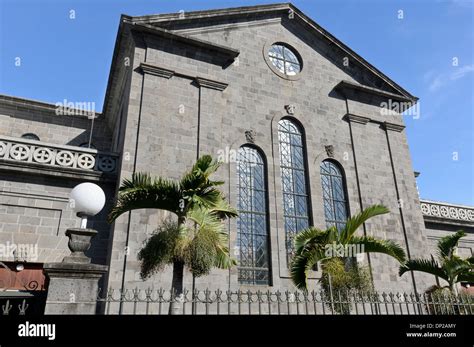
{"x":218,"y":302}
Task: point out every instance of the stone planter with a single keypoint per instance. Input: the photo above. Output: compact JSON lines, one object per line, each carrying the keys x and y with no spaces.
{"x":79,"y":243}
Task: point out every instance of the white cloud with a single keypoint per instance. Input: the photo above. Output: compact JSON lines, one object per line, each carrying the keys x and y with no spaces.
{"x":436,"y":83}
{"x":441,"y":80}
{"x":461,"y":72}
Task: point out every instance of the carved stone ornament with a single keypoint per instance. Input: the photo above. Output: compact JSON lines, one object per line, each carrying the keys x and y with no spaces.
{"x":290,"y":109}
{"x":250,"y":136}
{"x":329,"y":151}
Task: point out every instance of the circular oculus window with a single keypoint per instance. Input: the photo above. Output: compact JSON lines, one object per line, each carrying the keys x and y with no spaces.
{"x":284,"y":59}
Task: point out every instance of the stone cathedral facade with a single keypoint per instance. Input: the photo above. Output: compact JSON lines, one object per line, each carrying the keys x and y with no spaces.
{"x":296,"y":116}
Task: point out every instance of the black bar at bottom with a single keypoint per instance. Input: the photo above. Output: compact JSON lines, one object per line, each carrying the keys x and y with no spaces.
{"x":226,"y":330}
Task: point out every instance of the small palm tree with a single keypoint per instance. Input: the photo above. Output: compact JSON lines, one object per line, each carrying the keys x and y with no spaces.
{"x":449,"y":267}
{"x":311,"y":244}
{"x":194,"y":198}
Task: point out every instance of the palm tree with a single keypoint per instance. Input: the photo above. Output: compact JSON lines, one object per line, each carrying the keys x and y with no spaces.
{"x":450,"y":267}
{"x":194,"y":198}
{"x":311,"y":245}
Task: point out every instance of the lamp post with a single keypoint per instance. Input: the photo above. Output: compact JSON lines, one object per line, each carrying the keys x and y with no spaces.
{"x":87,"y":200}
{"x":74,"y":283}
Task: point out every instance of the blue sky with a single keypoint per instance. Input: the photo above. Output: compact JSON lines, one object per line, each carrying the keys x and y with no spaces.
{"x":64,"y":58}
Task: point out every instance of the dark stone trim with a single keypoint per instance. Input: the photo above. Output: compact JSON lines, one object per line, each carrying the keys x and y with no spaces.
{"x":347,"y":85}
{"x":207,"y":83}
{"x":394,"y":127}
{"x":356,"y":119}
{"x":156,"y":70}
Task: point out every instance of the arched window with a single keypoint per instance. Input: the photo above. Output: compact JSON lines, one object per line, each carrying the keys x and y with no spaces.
{"x":30,"y":136}
{"x":252,"y":224}
{"x":334,"y":194}
{"x":294,"y":180}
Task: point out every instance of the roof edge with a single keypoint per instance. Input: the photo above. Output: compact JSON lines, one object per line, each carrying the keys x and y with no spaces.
{"x":40,"y":105}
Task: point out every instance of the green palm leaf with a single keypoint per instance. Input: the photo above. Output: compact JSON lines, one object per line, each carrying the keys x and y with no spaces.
{"x":372,"y":245}
{"x":308,"y":238}
{"x":140,"y":192}
{"x":423,"y":265}
{"x":448,"y":244}
{"x":456,"y":266}
{"x":355,"y":222}
{"x":302,"y":264}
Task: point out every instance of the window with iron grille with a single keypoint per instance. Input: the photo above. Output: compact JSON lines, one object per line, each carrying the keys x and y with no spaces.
{"x":284,"y":59}
{"x":334,"y":194}
{"x":252,"y":224}
{"x":294,"y":178}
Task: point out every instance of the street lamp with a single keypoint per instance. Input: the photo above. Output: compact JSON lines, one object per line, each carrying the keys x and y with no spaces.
{"x":87,"y":199}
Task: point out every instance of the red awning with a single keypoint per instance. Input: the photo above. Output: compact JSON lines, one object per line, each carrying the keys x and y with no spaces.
{"x":30,"y":278}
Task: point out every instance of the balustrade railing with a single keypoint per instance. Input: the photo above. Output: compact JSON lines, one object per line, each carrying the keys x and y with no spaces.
{"x":36,"y":152}
{"x":447,"y":211}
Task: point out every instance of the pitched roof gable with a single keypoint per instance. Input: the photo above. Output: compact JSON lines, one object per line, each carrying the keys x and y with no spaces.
{"x":170,"y":20}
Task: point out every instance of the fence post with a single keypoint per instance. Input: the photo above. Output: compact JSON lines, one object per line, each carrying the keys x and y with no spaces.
{"x":330,"y":293}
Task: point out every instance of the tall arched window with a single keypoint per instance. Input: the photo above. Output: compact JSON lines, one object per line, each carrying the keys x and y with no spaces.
{"x":334,"y":194}
{"x":252,"y":225}
{"x":294,"y":178}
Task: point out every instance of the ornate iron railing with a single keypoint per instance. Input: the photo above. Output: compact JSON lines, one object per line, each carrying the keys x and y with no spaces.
{"x":220,"y":302}
{"x":20,"y":303}
{"x":35,"y":152}
{"x":447,"y":211}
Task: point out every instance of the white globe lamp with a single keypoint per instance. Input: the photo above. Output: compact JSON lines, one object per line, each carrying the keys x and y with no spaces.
{"x":87,"y":199}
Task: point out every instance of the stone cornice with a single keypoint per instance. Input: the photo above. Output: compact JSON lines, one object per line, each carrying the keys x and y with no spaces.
{"x":156,"y":70}
{"x":227,"y":52}
{"x":394,"y":127}
{"x":207,"y":83}
{"x":356,"y":119}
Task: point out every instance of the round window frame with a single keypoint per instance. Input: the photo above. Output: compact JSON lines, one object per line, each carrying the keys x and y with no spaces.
{"x":266,"y":49}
